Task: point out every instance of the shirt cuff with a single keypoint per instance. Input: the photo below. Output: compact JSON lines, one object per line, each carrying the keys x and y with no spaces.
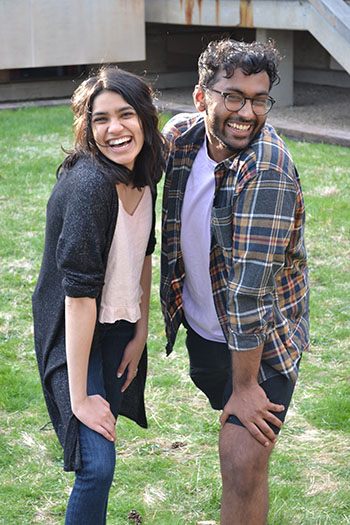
{"x":245,"y":342}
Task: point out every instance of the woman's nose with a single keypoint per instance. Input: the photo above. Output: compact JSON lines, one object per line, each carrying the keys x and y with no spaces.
{"x":115,"y":125}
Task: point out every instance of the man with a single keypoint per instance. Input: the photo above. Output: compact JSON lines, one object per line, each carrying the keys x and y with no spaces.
{"x":234,"y":268}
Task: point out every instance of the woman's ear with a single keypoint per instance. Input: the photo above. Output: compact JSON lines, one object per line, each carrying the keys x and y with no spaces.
{"x":199,"y":98}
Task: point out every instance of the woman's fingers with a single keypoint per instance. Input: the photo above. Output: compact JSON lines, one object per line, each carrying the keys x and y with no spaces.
{"x":130,"y":361}
{"x":132,"y":373}
{"x":94,"y":411}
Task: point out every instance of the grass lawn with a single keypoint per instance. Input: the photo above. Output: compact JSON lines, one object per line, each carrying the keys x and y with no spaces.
{"x":170,"y":473}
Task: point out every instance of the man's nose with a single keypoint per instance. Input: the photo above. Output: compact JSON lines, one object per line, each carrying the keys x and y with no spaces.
{"x":247,"y":110}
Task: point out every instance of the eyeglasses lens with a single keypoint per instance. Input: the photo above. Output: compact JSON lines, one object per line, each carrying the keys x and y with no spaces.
{"x":260,"y":107}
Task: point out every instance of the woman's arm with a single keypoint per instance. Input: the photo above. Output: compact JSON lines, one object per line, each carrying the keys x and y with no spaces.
{"x":134,"y":349}
{"x":93,"y":411}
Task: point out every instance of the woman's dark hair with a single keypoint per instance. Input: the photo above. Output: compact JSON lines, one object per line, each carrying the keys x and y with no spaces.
{"x":135,"y":91}
{"x":230,"y":54}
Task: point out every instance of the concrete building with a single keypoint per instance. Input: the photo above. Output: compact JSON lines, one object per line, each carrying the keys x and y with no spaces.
{"x":49,"y":45}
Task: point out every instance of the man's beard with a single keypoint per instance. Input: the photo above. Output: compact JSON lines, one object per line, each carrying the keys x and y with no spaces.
{"x":215,"y":130}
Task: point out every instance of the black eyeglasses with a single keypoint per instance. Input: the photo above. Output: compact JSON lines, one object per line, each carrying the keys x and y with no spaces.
{"x":236,"y":101}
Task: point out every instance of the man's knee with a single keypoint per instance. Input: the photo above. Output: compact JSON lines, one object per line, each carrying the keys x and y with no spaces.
{"x":243,"y":461}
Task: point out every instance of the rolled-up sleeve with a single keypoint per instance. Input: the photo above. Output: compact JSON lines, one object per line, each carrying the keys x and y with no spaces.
{"x":82,"y":242}
{"x":263,"y":221}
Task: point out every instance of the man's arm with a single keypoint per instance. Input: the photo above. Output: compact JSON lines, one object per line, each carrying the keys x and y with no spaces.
{"x":263,"y":225}
{"x":248,"y":400}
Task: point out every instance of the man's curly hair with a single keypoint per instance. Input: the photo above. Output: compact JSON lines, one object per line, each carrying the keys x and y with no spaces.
{"x":230,"y":54}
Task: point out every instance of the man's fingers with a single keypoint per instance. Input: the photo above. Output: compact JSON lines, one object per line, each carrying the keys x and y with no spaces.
{"x":267,"y":431}
{"x":260,"y":430}
{"x":271,"y":418}
{"x":224,"y":417}
{"x":275,"y":408}
{"x":264,"y":439}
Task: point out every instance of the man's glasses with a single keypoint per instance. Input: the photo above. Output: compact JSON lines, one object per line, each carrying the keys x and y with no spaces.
{"x":236,"y":101}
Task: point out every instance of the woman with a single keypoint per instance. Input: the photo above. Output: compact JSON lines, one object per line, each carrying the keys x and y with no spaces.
{"x":91,"y":301}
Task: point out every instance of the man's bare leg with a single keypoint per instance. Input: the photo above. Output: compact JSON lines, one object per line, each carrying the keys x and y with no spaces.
{"x":244,"y":470}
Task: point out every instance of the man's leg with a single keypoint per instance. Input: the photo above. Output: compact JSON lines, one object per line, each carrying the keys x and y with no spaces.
{"x":244,"y":470}
{"x":244,"y":461}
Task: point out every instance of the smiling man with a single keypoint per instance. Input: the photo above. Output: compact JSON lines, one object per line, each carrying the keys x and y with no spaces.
{"x":234,"y":268}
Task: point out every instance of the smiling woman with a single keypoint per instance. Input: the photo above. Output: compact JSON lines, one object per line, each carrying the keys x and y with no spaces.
{"x":91,"y":301}
{"x":116,"y":128}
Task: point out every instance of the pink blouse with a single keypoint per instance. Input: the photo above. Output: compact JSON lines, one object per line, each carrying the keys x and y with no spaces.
{"x":121,"y":293}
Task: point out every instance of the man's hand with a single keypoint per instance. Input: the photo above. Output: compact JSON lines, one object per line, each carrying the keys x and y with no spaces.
{"x":95,"y":413}
{"x":131,"y":358}
{"x":252,"y":407}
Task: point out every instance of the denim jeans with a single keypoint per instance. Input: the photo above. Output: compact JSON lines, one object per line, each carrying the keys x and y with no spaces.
{"x":89,"y":498}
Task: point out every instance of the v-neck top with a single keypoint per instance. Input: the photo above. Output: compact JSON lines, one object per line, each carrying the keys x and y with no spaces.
{"x":121,"y":294}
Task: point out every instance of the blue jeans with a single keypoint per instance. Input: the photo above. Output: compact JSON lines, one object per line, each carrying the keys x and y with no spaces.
{"x":89,"y":498}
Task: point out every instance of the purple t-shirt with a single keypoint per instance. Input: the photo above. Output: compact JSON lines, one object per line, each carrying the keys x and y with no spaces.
{"x":198,"y":302}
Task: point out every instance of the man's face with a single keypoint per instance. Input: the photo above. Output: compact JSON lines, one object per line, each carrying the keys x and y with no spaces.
{"x":229,"y":132}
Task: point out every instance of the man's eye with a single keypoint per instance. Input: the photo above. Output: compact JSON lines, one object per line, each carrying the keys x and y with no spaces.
{"x":235,"y":98}
{"x":260,"y":102}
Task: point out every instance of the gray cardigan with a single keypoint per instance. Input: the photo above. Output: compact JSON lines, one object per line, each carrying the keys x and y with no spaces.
{"x":81,"y":218}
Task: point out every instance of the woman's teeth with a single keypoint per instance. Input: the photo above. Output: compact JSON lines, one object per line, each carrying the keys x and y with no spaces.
{"x":119,"y":142}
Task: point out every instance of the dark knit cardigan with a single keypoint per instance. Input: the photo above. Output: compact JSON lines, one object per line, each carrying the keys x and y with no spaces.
{"x":81,"y":219}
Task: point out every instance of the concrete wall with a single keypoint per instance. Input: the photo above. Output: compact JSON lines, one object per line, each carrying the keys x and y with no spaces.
{"x":160,"y":37}
{"x":172,"y":52}
{"x":327,"y":20}
{"x":40,"y":33}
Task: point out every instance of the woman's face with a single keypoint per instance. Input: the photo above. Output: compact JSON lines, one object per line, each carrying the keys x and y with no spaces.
{"x":116,"y":128}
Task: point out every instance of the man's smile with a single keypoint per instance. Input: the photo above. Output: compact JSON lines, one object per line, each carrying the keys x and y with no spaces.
{"x":240,"y":126}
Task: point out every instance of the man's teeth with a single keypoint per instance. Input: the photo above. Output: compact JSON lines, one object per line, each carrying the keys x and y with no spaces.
{"x":239,"y":126}
{"x":118,"y":142}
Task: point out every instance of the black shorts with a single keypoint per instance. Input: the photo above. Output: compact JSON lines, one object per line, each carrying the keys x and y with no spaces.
{"x":210,"y":370}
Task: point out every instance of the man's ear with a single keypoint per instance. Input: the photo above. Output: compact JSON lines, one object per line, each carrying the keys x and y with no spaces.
{"x":199,"y":98}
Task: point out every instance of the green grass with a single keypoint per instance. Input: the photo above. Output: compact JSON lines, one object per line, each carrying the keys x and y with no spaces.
{"x":309,"y":472}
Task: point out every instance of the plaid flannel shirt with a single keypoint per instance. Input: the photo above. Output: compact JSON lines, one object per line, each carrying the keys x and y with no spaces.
{"x":258,"y":265}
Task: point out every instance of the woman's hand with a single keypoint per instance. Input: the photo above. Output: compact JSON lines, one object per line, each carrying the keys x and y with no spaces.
{"x":133,"y":350}
{"x":130,"y":361}
{"x":94,"y":412}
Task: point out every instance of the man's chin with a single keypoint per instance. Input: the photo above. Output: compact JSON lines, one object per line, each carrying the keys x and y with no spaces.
{"x":237,"y":145}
